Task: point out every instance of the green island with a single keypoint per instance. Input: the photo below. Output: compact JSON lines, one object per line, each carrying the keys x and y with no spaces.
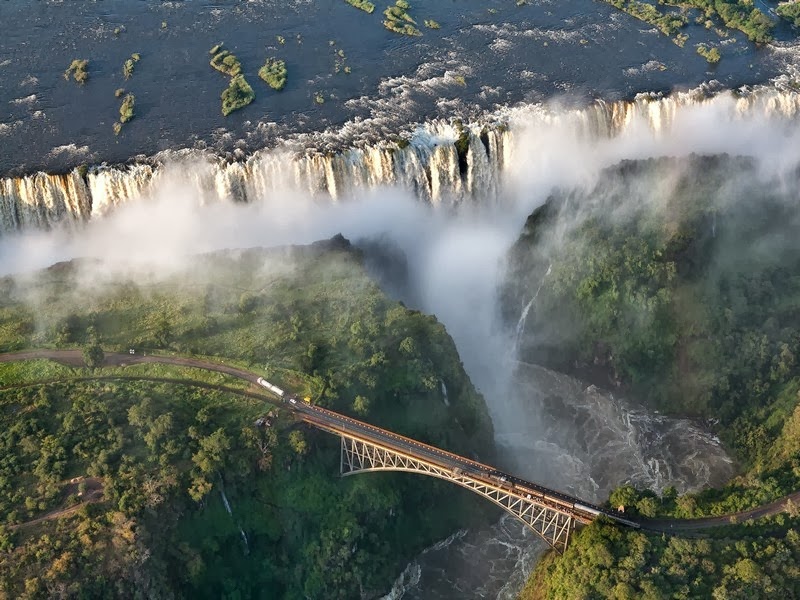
{"x":237,"y":95}
{"x":273,"y":73}
{"x":129,"y":65}
{"x":79,"y":70}
{"x":790,"y":11}
{"x":735,"y":14}
{"x":741,"y":15}
{"x":712,"y":55}
{"x":670,"y":24}
{"x":155,"y":478}
{"x":126,"y":109}
{"x":126,"y":112}
{"x":398,"y":20}
{"x":224,"y":61}
{"x":365,"y":5}
{"x":686,"y":298}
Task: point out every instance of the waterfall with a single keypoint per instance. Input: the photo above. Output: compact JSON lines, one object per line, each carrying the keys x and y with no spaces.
{"x":524,"y":316}
{"x":230,"y":512}
{"x":39,"y":200}
{"x":434,"y":164}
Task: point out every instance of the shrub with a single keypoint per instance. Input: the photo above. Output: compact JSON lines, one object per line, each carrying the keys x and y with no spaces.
{"x":126,"y":110}
{"x":237,"y":95}
{"x":79,"y":69}
{"x":273,"y":73}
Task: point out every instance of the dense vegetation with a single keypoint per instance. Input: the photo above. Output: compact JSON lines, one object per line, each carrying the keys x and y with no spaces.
{"x":225,"y":62}
{"x":605,"y":561}
{"x":113,"y":486}
{"x":126,"y":108}
{"x":712,"y":55}
{"x":273,"y":73}
{"x":735,"y":14}
{"x":79,"y":70}
{"x":237,"y":95}
{"x":365,"y":5}
{"x":675,"y":280}
{"x":668,"y":23}
{"x":790,"y":11}
{"x":398,"y":20}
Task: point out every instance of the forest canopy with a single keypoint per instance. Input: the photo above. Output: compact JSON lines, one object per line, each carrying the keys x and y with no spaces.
{"x":111,"y":483}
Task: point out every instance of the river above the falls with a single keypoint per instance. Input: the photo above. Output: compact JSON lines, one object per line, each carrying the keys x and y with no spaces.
{"x":572,"y":50}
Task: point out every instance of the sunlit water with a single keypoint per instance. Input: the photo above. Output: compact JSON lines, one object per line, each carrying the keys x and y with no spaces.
{"x":486,"y":54}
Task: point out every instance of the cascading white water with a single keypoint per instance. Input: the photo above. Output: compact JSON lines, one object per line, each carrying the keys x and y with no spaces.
{"x":429,"y":166}
{"x":524,"y":316}
{"x":230,"y":512}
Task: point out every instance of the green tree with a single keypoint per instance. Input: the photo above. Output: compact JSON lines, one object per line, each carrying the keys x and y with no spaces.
{"x":212,"y":453}
{"x":297,"y":442}
{"x":361,"y":405}
{"x":93,"y":355}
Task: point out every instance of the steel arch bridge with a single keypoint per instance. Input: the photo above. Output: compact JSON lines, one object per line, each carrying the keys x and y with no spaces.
{"x":554,"y":526}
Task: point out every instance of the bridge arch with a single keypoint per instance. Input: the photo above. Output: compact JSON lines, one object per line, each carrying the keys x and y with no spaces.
{"x":553,"y":526}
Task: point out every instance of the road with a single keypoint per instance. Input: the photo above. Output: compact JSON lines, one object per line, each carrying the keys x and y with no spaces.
{"x":338,"y":423}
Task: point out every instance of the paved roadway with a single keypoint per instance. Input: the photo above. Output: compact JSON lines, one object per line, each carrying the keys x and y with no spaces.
{"x":338,"y":423}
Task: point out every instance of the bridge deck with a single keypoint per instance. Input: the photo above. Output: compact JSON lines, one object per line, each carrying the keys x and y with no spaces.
{"x":343,"y":425}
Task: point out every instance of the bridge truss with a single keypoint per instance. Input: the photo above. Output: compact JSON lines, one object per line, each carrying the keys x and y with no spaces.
{"x":552,"y":525}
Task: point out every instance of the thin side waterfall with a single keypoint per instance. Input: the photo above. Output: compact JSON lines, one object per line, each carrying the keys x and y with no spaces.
{"x":230,"y":512}
{"x":524,"y":316}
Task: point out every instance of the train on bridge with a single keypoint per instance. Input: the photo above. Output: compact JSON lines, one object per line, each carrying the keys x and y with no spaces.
{"x":458,"y":465}
{"x":531,"y":490}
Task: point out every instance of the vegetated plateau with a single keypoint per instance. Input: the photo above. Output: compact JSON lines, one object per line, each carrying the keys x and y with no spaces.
{"x":111,"y":484}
